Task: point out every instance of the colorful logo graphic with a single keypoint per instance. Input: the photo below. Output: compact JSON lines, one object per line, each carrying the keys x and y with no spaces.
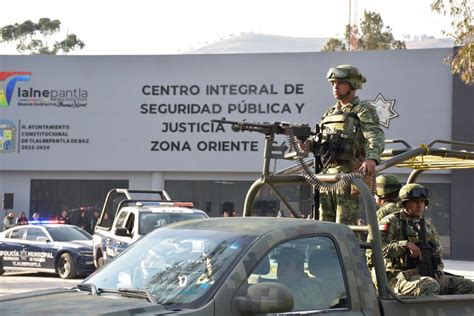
{"x":12,"y":77}
{"x":7,"y":136}
{"x":385,"y":110}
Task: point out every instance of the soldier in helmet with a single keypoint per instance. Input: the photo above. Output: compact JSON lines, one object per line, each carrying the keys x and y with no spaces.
{"x":387,"y":187}
{"x":351,"y":140}
{"x":412,"y":249}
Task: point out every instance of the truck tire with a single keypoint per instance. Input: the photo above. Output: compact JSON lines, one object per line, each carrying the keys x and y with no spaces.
{"x":1,"y":267}
{"x":66,"y":266}
{"x":100,"y":262}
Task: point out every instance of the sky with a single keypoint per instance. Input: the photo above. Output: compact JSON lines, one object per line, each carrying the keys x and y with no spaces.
{"x":178,"y":26}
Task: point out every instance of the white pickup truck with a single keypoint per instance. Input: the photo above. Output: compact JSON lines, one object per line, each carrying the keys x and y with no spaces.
{"x":128,"y":215}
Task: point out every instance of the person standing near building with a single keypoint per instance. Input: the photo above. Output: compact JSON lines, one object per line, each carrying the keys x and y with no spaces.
{"x":22,"y":219}
{"x":94,"y":220}
{"x":351,"y":140}
{"x":84,"y":222}
{"x":9,"y":221}
{"x":64,"y":217}
{"x":412,"y":249}
{"x":387,"y":187}
{"x":35,"y":217}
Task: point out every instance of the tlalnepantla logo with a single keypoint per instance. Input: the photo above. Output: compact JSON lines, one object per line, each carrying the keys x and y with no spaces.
{"x":8,"y":80}
{"x":7,"y":136}
{"x":24,"y":95}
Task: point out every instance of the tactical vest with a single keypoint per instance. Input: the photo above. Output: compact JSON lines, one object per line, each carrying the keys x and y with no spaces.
{"x":415,"y":231}
{"x":341,"y":136}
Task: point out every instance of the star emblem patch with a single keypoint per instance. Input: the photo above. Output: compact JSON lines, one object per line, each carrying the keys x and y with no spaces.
{"x":23,"y":255}
{"x":384,"y":109}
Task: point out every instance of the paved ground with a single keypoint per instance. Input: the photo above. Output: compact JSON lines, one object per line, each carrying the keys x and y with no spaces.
{"x":464,"y":268}
{"x":18,"y":282}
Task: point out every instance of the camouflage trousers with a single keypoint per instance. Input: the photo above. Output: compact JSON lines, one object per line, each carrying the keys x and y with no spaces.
{"x":341,"y":206}
{"x":415,"y":285}
{"x":452,"y":284}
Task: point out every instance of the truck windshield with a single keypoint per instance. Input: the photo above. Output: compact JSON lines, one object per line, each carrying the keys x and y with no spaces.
{"x":150,"y":221}
{"x":177,"y":266}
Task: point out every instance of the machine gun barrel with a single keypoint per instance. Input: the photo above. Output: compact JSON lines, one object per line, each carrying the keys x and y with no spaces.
{"x":301,"y":131}
{"x":273,"y":128}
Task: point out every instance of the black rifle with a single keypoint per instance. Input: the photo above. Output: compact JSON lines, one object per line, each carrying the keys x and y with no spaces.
{"x":318,"y":166}
{"x":428,"y":265}
{"x":300,"y":131}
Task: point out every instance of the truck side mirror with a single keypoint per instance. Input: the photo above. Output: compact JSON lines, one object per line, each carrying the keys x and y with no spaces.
{"x":122,"y":231}
{"x":265,"y":297}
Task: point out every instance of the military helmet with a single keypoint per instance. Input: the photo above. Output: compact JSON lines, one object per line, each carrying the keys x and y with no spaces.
{"x":414,"y":191}
{"x":347,"y":73}
{"x":386,"y":184}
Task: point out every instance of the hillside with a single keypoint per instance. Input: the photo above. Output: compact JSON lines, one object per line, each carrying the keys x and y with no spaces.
{"x":263,"y":43}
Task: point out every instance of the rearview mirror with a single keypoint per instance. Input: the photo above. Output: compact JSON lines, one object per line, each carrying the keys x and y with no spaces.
{"x":266,"y":297}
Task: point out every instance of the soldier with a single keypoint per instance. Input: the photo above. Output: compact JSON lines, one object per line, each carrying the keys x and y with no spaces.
{"x":290,"y":272}
{"x":351,"y":140}
{"x":412,"y":250}
{"x":387,"y":187}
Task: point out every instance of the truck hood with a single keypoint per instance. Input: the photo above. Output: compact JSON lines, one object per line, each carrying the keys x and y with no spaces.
{"x":63,"y":301}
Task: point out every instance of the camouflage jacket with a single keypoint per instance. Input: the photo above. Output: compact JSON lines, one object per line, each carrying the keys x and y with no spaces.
{"x":370,"y":125}
{"x":394,"y":245}
{"x":386,"y":209}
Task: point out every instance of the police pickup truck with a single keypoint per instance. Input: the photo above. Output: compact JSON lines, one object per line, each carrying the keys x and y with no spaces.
{"x":127,"y":215}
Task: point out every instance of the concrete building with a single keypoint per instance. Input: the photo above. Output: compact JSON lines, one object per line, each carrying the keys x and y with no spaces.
{"x":72,"y":127}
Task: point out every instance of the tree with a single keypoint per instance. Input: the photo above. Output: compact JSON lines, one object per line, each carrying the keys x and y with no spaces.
{"x":372,"y":35}
{"x":462,"y":63}
{"x":334,"y":45}
{"x":33,"y":38}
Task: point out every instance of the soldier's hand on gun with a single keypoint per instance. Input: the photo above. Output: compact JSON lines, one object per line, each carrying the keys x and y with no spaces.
{"x":415,"y":251}
{"x":367,"y":168}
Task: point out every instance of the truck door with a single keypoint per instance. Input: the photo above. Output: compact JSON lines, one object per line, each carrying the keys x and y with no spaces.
{"x":122,"y":241}
{"x":311,"y":269}
{"x":112,"y":241}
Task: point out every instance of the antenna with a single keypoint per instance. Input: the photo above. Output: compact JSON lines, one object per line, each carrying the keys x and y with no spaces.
{"x":353,"y":25}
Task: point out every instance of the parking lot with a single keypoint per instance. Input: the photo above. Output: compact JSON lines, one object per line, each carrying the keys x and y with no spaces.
{"x":19,"y":282}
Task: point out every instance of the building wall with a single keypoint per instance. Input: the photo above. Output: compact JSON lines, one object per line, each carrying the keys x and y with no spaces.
{"x":97,"y":116}
{"x":462,"y":209}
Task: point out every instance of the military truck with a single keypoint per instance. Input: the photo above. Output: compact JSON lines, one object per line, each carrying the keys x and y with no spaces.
{"x":127,"y":215}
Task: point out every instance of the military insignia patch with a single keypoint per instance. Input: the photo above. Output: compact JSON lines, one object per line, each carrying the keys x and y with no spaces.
{"x":383,"y":227}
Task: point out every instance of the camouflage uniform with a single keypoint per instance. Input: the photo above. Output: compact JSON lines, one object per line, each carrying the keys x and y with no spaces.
{"x":406,"y":279}
{"x":343,"y":205}
{"x":387,"y":209}
{"x":387,"y":188}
